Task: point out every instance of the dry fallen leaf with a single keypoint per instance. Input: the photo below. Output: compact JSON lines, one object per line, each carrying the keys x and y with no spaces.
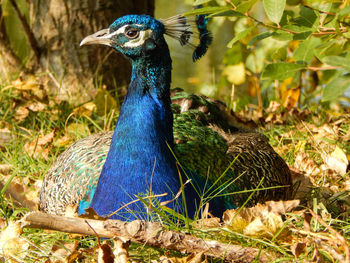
{"x":262,"y":220}
{"x":21,"y":113}
{"x":86,"y":109}
{"x":337,"y":161}
{"x":64,"y":251}
{"x":193,"y":258}
{"x":23,"y":193}
{"x":105,"y":254}
{"x":304,"y":163}
{"x":41,"y":146}
{"x":6,"y":136}
{"x":121,"y":251}
{"x":36,"y":106}
{"x":5,"y":169}
{"x":208,"y":223}
{"x":298,"y":248}
{"x":290,"y":98}
{"x":11,"y":243}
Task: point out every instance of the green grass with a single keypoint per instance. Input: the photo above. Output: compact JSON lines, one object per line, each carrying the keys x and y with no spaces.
{"x":29,"y":169}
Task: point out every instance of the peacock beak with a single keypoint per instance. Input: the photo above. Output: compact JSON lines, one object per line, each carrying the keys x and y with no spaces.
{"x":100,"y":37}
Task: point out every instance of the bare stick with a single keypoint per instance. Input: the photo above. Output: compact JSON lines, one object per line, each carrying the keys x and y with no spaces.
{"x":145,"y":233}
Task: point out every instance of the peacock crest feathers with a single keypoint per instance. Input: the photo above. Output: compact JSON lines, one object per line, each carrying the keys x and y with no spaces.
{"x":186,"y":29}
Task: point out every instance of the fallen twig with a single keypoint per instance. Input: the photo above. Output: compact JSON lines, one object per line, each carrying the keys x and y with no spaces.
{"x":148,"y":233}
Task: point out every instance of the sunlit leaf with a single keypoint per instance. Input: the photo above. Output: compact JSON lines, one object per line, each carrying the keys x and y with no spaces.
{"x":207,"y":10}
{"x":239,"y":36}
{"x":274,"y":9}
{"x":259,"y":37}
{"x":235,"y":73}
{"x":199,"y":2}
{"x":335,"y":88}
{"x":281,"y":70}
{"x":245,"y":6}
{"x":308,"y":18}
{"x":305,"y":50}
{"x":337,"y":61}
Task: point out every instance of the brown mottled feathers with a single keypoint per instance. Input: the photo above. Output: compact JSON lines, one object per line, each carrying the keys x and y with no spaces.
{"x":207,"y":142}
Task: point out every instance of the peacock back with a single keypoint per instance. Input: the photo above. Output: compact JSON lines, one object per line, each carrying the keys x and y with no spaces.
{"x":206,"y":142}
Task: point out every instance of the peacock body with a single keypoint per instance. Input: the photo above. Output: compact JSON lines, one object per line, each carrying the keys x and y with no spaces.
{"x":107,"y":170}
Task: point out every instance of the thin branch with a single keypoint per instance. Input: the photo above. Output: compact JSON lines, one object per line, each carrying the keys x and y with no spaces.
{"x":147,"y":233}
{"x":324,"y":12}
{"x":322,"y":68}
{"x":334,"y":32}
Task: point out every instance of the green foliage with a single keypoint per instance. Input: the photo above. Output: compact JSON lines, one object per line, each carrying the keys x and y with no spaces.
{"x":13,"y":27}
{"x":301,"y":45}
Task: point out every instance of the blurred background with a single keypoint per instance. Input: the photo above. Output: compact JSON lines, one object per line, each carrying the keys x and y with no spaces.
{"x":41,"y":40}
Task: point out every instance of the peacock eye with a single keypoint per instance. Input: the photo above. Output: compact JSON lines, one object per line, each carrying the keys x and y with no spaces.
{"x":132,"y":33}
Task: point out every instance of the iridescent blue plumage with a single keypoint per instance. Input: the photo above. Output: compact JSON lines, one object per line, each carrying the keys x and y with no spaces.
{"x":140,"y":160}
{"x":205,"y":37}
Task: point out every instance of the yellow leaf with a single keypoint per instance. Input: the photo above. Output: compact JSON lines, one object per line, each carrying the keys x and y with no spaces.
{"x":63,"y":141}
{"x":235,"y":73}
{"x":290,"y":97}
{"x":262,"y":220}
{"x":86,"y":109}
{"x":300,"y":146}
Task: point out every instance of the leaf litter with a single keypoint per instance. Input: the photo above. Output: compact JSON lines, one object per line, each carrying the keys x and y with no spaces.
{"x":320,"y":169}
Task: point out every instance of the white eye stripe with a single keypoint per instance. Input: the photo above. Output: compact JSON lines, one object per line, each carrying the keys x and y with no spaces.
{"x":140,"y":40}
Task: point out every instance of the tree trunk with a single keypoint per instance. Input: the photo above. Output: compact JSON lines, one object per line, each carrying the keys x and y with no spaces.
{"x":58,"y":26}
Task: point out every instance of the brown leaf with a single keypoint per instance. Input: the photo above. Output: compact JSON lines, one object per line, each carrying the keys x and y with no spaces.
{"x":193,"y":258}
{"x":121,"y":251}
{"x":298,"y":248}
{"x":304,"y":163}
{"x":5,"y":168}
{"x":65,"y":251}
{"x":290,"y":97}
{"x":21,"y":113}
{"x":208,"y":223}
{"x":28,"y":84}
{"x":6,"y":136}
{"x":41,"y":146}
{"x":105,"y":254}
{"x":23,"y":193}
{"x":36,"y":106}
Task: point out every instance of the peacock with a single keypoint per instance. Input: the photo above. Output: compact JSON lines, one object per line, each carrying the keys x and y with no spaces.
{"x":165,"y":141}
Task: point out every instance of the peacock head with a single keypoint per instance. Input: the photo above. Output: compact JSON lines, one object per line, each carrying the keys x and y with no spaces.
{"x":141,"y":35}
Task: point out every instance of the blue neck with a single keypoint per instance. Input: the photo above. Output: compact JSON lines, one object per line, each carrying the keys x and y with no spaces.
{"x":139,"y":158}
